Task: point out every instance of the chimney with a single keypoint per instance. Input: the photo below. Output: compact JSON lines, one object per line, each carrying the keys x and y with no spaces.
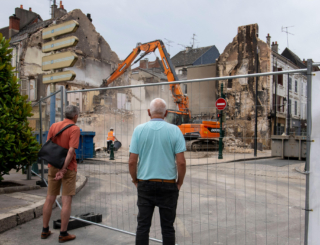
{"x":89,"y":17}
{"x":144,"y":63}
{"x":268,"y":40}
{"x":14,"y":25}
{"x":53,"y":9}
{"x":188,"y":49}
{"x":30,"y":9}
{"x":21,"y":6}
{"x":274,"y":47}
{"x":60,"y":4}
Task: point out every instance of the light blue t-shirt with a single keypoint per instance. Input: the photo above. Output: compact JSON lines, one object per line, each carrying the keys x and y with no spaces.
{"x":157,"y":142}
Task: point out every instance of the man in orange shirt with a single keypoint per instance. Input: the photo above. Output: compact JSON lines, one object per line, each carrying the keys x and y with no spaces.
{"x":110,"y":139}
{"x":66,"y":176}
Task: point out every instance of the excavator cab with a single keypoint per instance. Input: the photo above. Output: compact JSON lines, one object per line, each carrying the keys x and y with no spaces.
{"x":177,"y":117}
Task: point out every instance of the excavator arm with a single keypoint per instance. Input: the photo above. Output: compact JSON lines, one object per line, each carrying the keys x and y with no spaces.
{"x":181,"y":100}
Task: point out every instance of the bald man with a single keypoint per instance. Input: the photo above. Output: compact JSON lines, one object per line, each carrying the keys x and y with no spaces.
{"x":159,"y":174}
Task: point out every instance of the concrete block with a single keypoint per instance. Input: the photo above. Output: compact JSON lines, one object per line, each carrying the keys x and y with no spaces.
{"x":7,"y":221}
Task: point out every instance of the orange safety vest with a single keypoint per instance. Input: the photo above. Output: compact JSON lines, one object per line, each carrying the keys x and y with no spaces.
{"x":110,"y":136}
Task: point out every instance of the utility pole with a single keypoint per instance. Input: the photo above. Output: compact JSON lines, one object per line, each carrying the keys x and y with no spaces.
{"x":275,"y":101}
{"x":288,"y":108}
{"x":220,"y":156}
{"x":256,"y":109}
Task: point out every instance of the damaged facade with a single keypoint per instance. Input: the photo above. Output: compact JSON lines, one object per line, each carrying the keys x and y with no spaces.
{"x":95,"y":61}
{"x":247,"y":54}
{"x":239,"y":58}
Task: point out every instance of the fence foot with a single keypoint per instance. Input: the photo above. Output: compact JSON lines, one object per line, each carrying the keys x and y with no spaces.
{"x":75,"y":224}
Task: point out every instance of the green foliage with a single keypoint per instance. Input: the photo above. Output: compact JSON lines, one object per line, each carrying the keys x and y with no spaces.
{"x":19,"y":148}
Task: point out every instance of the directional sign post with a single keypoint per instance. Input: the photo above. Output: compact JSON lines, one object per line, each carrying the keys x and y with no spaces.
{"x":59,"y":77}
{"x":58,"y":60}
{"x":58,"y":30}
{"x":60,"y":43}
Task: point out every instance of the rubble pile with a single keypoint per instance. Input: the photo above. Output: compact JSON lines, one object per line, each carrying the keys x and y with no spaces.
{"x":101,"y":109}
{"x":234,"y":145}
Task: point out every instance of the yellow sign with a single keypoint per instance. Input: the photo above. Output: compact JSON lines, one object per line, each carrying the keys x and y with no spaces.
{"x":60,"y":60}
{"x":59,"y":77}
{"x":61,"y":43}
{"x":57,"y":30}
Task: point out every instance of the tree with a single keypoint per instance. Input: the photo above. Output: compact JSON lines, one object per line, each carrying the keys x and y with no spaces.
{"x":18,"y":147}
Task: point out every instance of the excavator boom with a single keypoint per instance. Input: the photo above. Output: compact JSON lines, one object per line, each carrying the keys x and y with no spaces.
{"x":181,"y":100}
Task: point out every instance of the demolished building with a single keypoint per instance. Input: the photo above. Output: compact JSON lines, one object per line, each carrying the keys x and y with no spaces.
{"x":248,"y":54}
{"x":96,"y":59}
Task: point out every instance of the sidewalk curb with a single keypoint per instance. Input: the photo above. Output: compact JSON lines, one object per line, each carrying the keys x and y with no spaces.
{"x":18,"y":188}
{"x":24,"y":214}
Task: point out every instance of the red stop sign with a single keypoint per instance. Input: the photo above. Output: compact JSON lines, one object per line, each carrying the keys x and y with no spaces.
{"x":221,"y":104}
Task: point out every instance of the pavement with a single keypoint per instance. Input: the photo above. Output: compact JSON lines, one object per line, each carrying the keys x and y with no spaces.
{"x":195,"y":158}
{"x":21,"y":204}
{"x":257,"y":201}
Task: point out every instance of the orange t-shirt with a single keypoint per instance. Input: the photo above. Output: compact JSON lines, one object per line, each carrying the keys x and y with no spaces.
{"x":68,"y":138}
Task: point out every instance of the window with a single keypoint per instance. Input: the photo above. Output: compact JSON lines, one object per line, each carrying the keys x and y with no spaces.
{"x":280,"y":77}
{"x":229,"y":83}
{"x":29,"y":87}
{"x":149,"y":79}
{"x":279,"y":103}
{"x":295,"y":108}
{"x":290,"y":83}
{"x":296,"y":86}
{"x":185,"y":89}
{"x":180,"y":71}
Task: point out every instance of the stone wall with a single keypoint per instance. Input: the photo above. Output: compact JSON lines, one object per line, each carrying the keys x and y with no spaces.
{"x":239,"y":57}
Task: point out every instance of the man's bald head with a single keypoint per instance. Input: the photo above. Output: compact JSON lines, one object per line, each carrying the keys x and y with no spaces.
{"x":158,"y":108}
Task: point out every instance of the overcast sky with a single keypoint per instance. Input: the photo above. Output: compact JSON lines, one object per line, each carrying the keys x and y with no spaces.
{"x":123,"y":23}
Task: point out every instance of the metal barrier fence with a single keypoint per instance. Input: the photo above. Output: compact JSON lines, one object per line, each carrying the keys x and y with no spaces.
{"x":42,"y":111}
{"x":240,"y":199}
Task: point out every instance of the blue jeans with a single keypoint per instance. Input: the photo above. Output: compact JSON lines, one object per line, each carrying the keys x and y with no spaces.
{"x":163,"y":195}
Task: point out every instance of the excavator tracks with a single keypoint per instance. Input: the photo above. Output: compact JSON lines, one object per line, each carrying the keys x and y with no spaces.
{"x":203,"y":145}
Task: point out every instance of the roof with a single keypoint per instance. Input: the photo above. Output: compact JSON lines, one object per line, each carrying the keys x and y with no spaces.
{"x":160,"y":75}
{"x":293,"y":57}
{"x":5,"y":32}
{"x":184,"y":58}
{"x":29,"y":29}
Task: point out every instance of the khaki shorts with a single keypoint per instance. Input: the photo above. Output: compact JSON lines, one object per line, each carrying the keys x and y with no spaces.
{"x":68,"y":183}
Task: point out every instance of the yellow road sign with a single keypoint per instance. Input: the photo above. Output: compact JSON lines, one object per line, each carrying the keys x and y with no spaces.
{"x":59,"y":77}
{"x":57,"y":30}
{"x":58,"y":44}
{"x":60,"y":60}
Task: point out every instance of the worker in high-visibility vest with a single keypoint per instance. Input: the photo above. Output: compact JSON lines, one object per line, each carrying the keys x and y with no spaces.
{"x":110,"y":139}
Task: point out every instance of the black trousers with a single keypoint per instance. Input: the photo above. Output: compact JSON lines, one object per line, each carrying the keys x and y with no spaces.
{"x":165,"y":196}
{"x":109,"y":145}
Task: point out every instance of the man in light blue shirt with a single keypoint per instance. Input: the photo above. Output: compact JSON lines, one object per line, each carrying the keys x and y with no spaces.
{"x":160,"y":147}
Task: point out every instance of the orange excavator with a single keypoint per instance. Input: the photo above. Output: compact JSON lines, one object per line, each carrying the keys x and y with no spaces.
{"x":199,"y":135}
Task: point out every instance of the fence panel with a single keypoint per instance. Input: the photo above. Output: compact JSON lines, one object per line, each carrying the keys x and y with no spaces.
{"x":240,"y":199}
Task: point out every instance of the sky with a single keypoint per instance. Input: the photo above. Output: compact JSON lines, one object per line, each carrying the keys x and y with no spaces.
{"x":124,"y":23}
